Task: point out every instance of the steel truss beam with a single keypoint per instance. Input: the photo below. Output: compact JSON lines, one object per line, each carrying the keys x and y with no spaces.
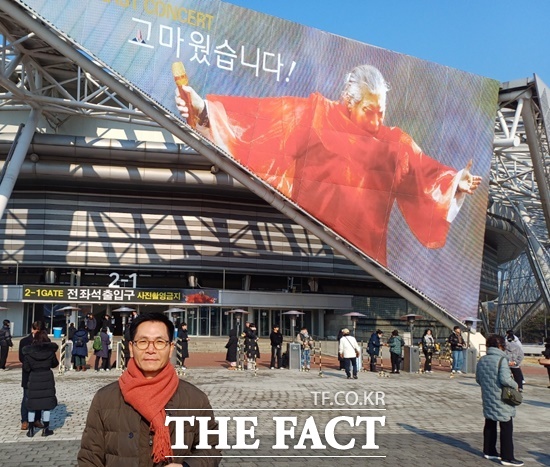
{"x":34,"y":74}
{"x":520,"y":179}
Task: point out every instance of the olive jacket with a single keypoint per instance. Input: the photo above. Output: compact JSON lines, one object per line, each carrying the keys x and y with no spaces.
{"x":117,"y":435}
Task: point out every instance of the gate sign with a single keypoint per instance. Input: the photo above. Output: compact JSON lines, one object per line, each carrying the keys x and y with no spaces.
{"x":389,"y":151}
{"x":80,"y":294}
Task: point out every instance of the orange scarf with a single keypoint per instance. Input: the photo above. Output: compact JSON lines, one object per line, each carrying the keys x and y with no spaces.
{"x":149,"y":398}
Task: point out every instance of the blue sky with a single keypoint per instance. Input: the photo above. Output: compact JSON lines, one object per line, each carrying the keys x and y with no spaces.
{"x":504,"y":40}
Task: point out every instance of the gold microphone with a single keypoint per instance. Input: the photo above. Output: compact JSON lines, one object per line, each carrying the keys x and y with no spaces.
{"x":181,"y":79}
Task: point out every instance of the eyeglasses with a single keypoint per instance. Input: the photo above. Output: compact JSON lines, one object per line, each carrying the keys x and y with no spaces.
{"x":158,"y":344}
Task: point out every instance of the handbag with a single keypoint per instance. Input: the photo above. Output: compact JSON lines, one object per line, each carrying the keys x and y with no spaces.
{"x":544,"y":361}
{"x":510,"y":395}
{"x":9,"y":341}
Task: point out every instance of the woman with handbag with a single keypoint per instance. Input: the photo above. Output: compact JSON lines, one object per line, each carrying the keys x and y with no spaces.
{"x":349,"y":351}
{"x":396,"y":344}
{"x":493,"y":374}
{"x":428,"y":348}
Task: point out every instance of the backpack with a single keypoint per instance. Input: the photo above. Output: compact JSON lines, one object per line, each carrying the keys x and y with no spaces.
{"x":97,"y":345}
{"x":79,"y":342}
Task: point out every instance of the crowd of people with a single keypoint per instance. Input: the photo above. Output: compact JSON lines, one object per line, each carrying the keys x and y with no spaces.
{"x":153,"y":335}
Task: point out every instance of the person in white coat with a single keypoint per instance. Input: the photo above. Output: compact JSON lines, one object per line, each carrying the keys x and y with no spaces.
{"x":349,"y":350}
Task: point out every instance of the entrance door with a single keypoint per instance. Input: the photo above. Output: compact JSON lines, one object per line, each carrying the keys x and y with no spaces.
{"x":192,"y":319}
{"x":204,"y":321}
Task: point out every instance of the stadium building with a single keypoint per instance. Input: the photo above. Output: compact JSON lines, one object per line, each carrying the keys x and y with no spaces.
{"x":109,"y":202}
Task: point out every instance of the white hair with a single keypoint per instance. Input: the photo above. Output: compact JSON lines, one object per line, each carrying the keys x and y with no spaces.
{"x":365,"y":76}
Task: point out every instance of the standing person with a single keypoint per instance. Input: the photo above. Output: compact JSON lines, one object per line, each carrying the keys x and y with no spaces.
{"x":126,"y":341}
{"x":373,"y":347}
{"x":340,"y":359}
{"x":232,"y":347}
{"x":428,"y":347}
{"x":457,"y":348}
{"x":110,"y":349}
{"x":38,"y":360}
{"x":492,"y":373}
{"x":183,"y":339}
{"x":276,"y":339}
{"x":396,"y":344}
{"x":306,"y":342}
{"x":246,"y":330}
{"x":338,"y":149}
{"x":103,"y":352}
{"x":80,"y":347}
{"x":5,"y":343}
{"x":126,"y":420}
{"x":546,"y":354}
{"x":106,"y":322}
{"x":514,"y":352}
{"x":251,"y":345}
{"x":349,"y":350}
{"x":91,"y":325}
{"x":132,"y":317}
{"x":71,"y":331}
{"x":36,"y":327}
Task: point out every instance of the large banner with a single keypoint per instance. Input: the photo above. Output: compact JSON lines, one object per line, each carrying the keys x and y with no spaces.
{"x":389,"y":151}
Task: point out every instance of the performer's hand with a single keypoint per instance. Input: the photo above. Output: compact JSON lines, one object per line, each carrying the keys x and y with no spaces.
{"x":468,"y":182}
{"x":196,"y":101}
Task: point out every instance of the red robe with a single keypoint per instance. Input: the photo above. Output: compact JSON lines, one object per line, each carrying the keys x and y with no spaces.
{"x":310,"y":151}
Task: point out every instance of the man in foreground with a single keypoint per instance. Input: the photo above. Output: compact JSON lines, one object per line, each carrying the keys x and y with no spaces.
{"x":126,"y":420}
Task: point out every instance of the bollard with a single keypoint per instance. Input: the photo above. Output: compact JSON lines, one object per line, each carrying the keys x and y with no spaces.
{"x":240,"y":354}
{"x":321,"y":374}
{"x":62,"y":355}
{"x":122,"y":351}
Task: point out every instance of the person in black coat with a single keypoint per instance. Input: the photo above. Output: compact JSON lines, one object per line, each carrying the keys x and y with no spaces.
{"x":232,"y":347}
{"x":546,"y":354}
{"x":91,"y":325}
{"x":183,"y":338}
{"x":276,"y":339}
{"x":251,"y":347}
{"x":80,"y":347}
{"x":374,"y":348}
{"x":5,"y":343}
{"x":104,"y":352}
{"x":36,"y":327}
{"x":38,"y":359}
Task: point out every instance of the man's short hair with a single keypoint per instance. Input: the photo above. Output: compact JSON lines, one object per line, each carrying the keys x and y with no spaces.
{"x":6,"y":322}
{"x":456,"y":328}
{"x":159,"y":317}
{"x":495,"y":340}
{"x":379,"y":331}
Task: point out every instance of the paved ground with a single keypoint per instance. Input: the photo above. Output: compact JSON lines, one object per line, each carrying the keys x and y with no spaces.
{"x":431,"y":420}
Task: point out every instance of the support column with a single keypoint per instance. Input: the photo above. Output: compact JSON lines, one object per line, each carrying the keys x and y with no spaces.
{"x":19,"y":154}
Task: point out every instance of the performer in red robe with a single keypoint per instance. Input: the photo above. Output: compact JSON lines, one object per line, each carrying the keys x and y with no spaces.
{"x":338,"y":162}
